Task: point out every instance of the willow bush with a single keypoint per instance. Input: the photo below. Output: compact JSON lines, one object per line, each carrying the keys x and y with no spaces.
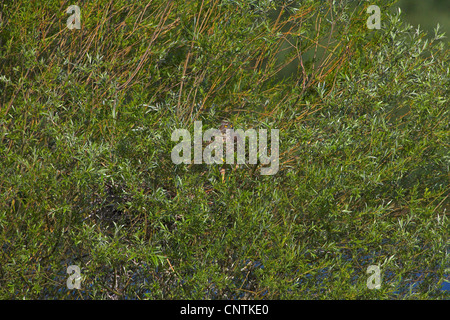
{"x":86,"y":175}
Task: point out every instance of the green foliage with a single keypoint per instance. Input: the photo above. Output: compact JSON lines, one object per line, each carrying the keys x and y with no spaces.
{"x":86,"y":176}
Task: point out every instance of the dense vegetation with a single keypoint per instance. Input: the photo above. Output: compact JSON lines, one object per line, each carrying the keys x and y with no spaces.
{"x":86,"y":176}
